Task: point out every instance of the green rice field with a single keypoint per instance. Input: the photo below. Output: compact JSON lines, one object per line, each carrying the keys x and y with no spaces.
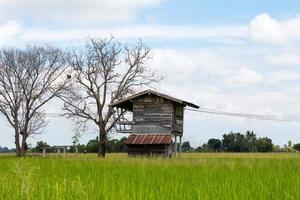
{"x":191,"y":176}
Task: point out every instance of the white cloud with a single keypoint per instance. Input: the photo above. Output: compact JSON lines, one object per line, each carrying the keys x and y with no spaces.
{"x":9,"y":31}
{"x":284,"y":59}
{"x":172,"y":63}
{"x":216,"y":80}
{"x":180,"y":65}
{"x":265,"y":29}
{"x":73,"y":11}
{"x":220,"y":34}
{"x":145,"y":31}
{"x":283,"y":75}
{"x":244,"y":77}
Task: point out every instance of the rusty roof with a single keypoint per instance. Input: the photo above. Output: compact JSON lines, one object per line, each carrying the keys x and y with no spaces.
{"x":127,"y":101}
{"x":149,"y":139}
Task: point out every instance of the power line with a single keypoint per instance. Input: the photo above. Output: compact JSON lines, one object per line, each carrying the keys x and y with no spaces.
{"x":267,"y":117}
{"x":282,"y":118}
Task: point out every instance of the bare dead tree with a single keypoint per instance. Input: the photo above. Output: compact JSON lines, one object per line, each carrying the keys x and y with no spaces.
{"x":103,"y":72}
{"x":29,"y":79}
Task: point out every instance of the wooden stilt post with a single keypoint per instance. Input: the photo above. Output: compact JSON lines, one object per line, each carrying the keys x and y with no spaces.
{"x":166,"y":151}
{"x":44,"y":152}
{"x":76,"y":149}
{"x":58,"y":150}
{"x":175,"y":146}
{"x":65,"y":152}
{"x":180,"y":137}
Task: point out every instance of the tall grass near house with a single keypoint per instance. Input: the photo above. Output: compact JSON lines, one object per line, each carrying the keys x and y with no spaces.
{"x":192,"y":176}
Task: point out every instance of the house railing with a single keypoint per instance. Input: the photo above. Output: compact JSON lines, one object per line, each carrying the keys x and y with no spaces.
{"x":123,"y":121}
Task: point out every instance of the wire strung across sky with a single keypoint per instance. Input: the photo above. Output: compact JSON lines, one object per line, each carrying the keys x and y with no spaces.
{"x":282,"y":118}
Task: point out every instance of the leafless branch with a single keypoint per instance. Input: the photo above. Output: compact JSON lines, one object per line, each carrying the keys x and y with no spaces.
{"x":29,"y":79}
{"x":103,"y":72}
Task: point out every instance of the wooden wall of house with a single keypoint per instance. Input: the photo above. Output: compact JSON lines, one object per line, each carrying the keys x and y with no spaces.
{"x":152,"y":115}
{"x":156,"y":115}
{"x":178,"y":112}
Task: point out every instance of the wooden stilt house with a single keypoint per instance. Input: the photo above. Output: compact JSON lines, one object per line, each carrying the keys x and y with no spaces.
{"x":156,"y":122}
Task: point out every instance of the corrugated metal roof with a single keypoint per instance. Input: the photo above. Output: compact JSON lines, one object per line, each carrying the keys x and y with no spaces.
{"x":128,"y":99}
{"x":149,"y":139}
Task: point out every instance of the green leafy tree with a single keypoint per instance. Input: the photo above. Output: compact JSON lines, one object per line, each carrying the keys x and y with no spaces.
{"x":214,"y":144}
{"x":234,"y":142}
{"x":75,"y":141}
{"x":288,"y":147}
{"x":228,"y":141}
{"x":112,"y":145}
{"x":122,"y":145}
{"x":186,"y":146}
{"x":277,"y":148}
{"x":40,"y":145}
{"x":116,"y":145}
{"x":296,"y":147}
{"x":264,"y":144}
{"x":76,"y":138}
{"x":237,"y":142}
{"x":198,"y":149}
{"x":204,"y":147}
{"x":4,"y":150}
{"x":93,"y":145}
{"x":250,"y":140}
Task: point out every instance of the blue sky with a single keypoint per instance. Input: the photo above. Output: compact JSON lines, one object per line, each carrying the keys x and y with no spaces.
{"x":236,"y":56}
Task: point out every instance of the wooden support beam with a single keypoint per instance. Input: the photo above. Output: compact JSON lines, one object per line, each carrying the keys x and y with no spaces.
{"x":175,"y":146}
{"x":123,"y":119}
{"x":180,"y":137}
{"x":166,"y":151}
{"x":44,"y":152}
{"x":76,"y":150}
{"x":65,"y":152}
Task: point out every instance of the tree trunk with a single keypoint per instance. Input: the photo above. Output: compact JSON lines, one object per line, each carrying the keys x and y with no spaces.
{"x":17,"y":143}
{"x":24,"y":146}
{"x":102,"y":143}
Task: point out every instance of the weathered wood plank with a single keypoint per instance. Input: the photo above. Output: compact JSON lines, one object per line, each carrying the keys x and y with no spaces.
{"x":153,"y":114}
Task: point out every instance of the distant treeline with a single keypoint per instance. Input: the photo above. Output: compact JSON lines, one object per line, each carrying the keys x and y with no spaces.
{"x":113,"y":146}
{"x":5,"y":150}
{"x":231,"y":142}
{"x":238,"y":142}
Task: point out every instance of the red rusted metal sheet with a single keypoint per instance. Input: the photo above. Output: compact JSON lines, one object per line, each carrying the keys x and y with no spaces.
{"x":139,"y":140}
{"x":129,"y":140}
{"x":156,"y":139}
{"x":149,"y":139}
